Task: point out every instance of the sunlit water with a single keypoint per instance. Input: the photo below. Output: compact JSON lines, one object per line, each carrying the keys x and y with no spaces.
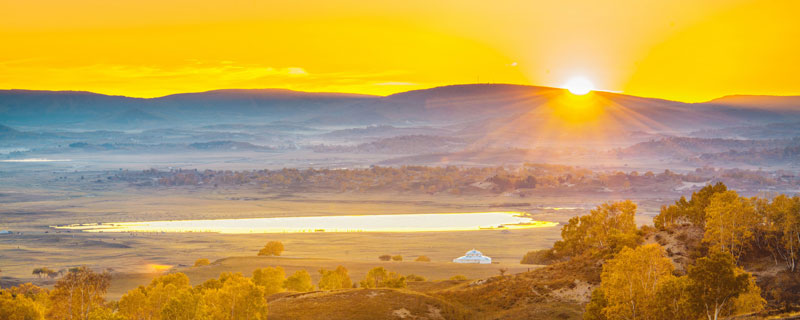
{"x":364,"y":223}
{"x":36,"y":160}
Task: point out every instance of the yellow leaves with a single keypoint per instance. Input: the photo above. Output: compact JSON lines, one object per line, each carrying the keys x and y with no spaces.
{"x":18,"y":307}
{"x":79,"y":292}
{"x":300,"y":281}
{"x":630,"y":282}
{"x":606,"y":229}
{"x":334,"y":279}
{"x":729,"y":222}
{"x":202,"y":262}
{"x":237,"y":299}
{"x":272,"y":248}
{"x":147,"y":302}
{"x":271,"y":279}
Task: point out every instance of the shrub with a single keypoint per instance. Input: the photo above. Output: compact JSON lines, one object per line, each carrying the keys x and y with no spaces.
{"x":414,"y":277}
{"x":397,"y":258}
{"x":544,"y":256}
{"x":202,"y":262}
{"x":458,"y":278}
{"x":385,"y":257}
{"x":380,"y":278}
{"x":423,"y":259}
{"x":272,"y":248}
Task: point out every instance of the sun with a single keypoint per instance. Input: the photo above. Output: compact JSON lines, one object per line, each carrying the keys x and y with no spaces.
{"x":579,"y":86}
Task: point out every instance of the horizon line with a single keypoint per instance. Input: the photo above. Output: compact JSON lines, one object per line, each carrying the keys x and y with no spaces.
{"x":388,"y":95}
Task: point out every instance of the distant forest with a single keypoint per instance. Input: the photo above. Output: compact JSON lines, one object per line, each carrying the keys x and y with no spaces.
{"x":456,"y":180}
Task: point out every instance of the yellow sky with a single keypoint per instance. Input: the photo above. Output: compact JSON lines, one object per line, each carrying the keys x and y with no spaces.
{"x":686,"y":50}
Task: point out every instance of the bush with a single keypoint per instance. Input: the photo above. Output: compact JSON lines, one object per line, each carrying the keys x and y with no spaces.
{"x":458,"y":278}
{"x":544,"y":257}
{"x":202,"y":262}
{"x":414,"y":277}
{"x":397,"y":258}
{"x":272,"y":248}
{"x":381,"y":278}
{"x":385,"y":257}
{"x":423,"y":259}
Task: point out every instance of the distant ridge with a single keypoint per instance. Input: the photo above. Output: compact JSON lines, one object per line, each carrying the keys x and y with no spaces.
{"x":505,"y":110}
{"x":764,"y":101}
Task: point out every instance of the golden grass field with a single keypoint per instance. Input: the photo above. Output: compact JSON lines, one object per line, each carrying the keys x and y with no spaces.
{"x":134,"y":259}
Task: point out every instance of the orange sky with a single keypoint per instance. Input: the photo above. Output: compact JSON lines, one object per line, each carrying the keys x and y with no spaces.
{"x":686,"y":50}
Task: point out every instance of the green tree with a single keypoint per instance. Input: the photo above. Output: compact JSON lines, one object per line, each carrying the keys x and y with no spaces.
{"x":300,"y":281}
{"x":595,"y":307}
{"x":272,"y":248}
{"x":271,"y":279}
{"x":673,"y":300}
{"x":715,"y":283}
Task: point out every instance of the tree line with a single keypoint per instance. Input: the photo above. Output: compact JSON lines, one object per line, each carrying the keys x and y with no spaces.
{"x":449,"y":179}
{"x":80,"y":294}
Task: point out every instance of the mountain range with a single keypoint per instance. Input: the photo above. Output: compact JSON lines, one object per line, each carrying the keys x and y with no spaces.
{"x":475,"y":107}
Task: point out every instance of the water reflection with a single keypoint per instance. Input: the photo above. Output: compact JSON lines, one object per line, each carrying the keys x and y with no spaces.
{"x":361,"y":223}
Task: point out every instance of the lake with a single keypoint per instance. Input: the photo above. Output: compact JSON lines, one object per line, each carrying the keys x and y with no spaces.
{"x":343,"y":223}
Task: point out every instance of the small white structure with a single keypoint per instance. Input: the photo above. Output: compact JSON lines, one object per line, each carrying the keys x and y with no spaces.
{"x":473,"y":256}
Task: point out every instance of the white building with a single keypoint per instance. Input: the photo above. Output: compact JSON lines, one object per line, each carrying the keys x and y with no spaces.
{"x":473,"y":256}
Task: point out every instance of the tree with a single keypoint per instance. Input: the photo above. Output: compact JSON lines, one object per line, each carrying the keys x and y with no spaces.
{"x":780,"y":230}
{"x":423,"y":259}
{"x":272,"y":248}
{"x":185,"y":305}
{"x":673,"y":300}
{"x":714,"y":283}
{"x":730,"y":220}
{"x":300,"y":281}
{"x":630,"y":282}
{"x":692,"y":211}
{"x":594,"y":309}
{"x":77,"y":293}
{"x":238,"y":298}
{"x":202,"y":262}
{"x":605,"y":230}
{"x":334,"y":279}
{"x":271,"y":279}
{"x":148,"y":302}
{"x":18,"y":307}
